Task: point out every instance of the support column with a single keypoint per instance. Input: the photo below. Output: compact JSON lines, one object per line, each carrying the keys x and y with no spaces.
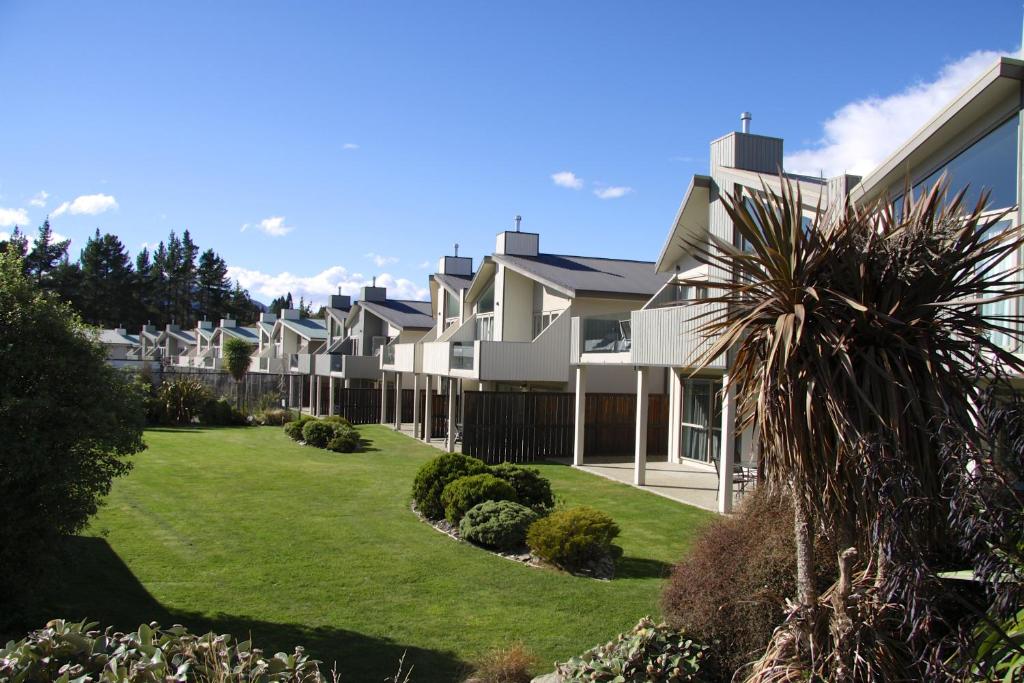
{"x":726,"y":450}
{"x":428,"y":410}
{"x":291,"y":389}
{"x":383,"y":398}
{"x":312,"y":393}
{"x":581,"y":416}
{"x":640,"y":455}
{"x":398,"y":401}
{"x":415,"y":406}
{"x":675,"y":404}
{"x":330,"y":396}
{"x":449,"y":443}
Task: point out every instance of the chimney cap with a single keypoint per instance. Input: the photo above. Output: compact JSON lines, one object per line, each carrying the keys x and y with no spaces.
{"x":745,"y":118}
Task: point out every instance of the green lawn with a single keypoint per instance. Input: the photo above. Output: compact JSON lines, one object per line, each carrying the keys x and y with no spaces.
{"x":243,"y":531}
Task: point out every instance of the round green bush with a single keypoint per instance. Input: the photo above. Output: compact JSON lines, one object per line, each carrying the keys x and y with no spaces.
{"x":465,"y":492}
{"x":437,"y":473}
{"x":532,"y":489}
{"x":345,"y":440}
{"x":574,"y":537}
{"x":294,"y":428}
{"x":498,"y":524}
{"x":336,"y":420}
{"x":317,"y":433}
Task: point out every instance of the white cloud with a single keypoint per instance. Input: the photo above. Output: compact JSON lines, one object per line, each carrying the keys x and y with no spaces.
{"x":12,"y":217}
{"x":273,"y":226}
{"x":612,"y":192}
{"x":58,"y":236}
{"x":316,"y":288}
{"x":567,"y":179}
{"x":90,"y":204}
{"x":424,"y":265}
{"x":350,"y":145}
{"x":381,"y":261}
{"x":39,"y":199}
{"x":861,"y":134}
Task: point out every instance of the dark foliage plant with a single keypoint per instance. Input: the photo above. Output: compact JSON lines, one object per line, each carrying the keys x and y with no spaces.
{"x":500,"y":524}
{"x":532,"y":489}
{"x":183,"y":399}
{"x":465,"y":492}
{"x":317,"y":433}
{"x":345,"y":440}
{"x":294,"y":428}
{"x":68,"y":422}
{"x":573,"y":538}
{"x":437,"y":473}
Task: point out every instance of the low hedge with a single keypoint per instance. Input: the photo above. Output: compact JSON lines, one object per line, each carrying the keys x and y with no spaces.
{"x":317,"y":433}
{"x":294,"y":428}
{"x":437,"y":473}
{"x":574,"y":538}
{"x":345,"y":440}
{"x":500,"y":524}
{"x":64,"y":651}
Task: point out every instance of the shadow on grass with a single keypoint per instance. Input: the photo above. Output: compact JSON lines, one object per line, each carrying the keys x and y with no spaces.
{"x":178,"y":430}
{"x":94,"y":583}
{"x":641,"y":568}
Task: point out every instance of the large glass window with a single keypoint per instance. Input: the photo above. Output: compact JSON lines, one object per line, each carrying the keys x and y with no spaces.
{"x":1001,"y":312}
{"x":990,"y":163}
{"x":451,"y":305}
{"x":702,"y":419}
{"x":485,"y":327}
{"x":486,"y":302}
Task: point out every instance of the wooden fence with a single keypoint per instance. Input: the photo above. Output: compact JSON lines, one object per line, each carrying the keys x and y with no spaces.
{"x":256,"y":391}
{"x":611,"y":424}
{"x":357,"y":405}
{"x":517,"y":427}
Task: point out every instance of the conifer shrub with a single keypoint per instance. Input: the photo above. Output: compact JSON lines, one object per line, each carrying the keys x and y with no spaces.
{"x":574,"y":538}
{"x":465,"y":492}
{"x":317,"y":433}
{"x":437,"y":473}
{"x":500,"y":524}
{"x":532,"y":489}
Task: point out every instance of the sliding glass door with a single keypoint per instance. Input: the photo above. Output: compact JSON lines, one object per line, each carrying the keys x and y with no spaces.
{"x":702,"y":419}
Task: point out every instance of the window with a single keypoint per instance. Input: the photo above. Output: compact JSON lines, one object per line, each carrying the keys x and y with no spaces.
{"x":485,"y":304}
{"x":451,"y":306}
{"x":485,"y":327}
{"x":990,"y":163}
{"x":999,"y":311}
{"x":702,"y":419}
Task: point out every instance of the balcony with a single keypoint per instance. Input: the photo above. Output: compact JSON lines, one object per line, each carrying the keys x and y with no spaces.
{"x":326,"y":363}
{"x":300,"y":363}
{"x":462,"y":355}
{"x":602,"y":340}
{"x":402,"y":357}
{"x":670,"y":336}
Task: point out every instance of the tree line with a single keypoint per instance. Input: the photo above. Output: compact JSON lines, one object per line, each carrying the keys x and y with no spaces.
{"x":175,"y":282}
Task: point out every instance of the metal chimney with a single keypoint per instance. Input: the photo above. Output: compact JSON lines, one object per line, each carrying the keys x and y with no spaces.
{"x":745,"y":121}
{"x":456,"y":249}
{"x":519,"y":219}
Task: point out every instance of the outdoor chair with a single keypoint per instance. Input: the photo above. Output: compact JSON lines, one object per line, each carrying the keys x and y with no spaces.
{"x":742,"y":476}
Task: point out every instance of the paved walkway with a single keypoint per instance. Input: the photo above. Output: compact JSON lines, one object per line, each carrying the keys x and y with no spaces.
{"x":687,"y":483}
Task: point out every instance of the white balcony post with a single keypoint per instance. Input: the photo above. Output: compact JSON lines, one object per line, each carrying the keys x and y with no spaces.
{"x":330,"y":396}
{"x":675,"y":404}
{"x":415,"y":406}
{"x":312,"y":393}
{"x":581,"y":415}
{"x":398,"y":401}
{"x":428,"y":411}
{"x":727,"y":455}
{"x":383,"y":398}
{"x":449,"y":443}
{"x":291,"y":389}
{"x":640,"y":466}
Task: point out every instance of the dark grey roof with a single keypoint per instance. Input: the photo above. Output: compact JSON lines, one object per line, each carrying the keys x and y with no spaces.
{"x":585,"y":275}
{"x":115,"y":337}
{"x":246,"y":334}
{"x":409,"y":315}
{"x":310,"y":328}
{"x":453,"y":282}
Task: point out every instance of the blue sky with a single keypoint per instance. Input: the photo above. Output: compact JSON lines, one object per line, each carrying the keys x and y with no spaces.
{"x":362,"y":139}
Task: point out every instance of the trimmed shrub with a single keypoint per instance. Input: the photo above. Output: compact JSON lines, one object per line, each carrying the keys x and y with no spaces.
{"x":465,"y":492}
{"x":498,"y":524}
{"x":574,"y":538}
{"x":504,"y":665}
{"x":317,"y":433}
{"x":437,"y":473}
{"x":345,"y":440}
{"x":275,"y":417}
{"x":68,"y":651}
{"x":532,"y":489}
{"x":294,"y":428}
{"x":336,"y":420}
{"x":732,"y":585}
{"x":647,"y":653}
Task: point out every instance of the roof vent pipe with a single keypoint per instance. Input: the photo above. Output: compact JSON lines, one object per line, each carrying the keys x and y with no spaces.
{"x":519,"y":219}
{"x":745,"y":121}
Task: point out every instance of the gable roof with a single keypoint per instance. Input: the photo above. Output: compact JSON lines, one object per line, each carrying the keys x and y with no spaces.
{"x":453,"y":283}
{"x":250,"y":335}
{"x":113,"y":337}
{"x":313,"y":329}
{"x":180,"y":335}
{"x":576,"y":276}
{"x":408,"y":315}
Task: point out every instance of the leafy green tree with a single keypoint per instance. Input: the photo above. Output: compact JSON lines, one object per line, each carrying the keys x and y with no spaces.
{"x":236,"y":361}
{"x":45,"y":255}
{"x":281,"y":303}
{"x":17,"y":241}
{"x":105,"y":296}
{"x":68,"y":421}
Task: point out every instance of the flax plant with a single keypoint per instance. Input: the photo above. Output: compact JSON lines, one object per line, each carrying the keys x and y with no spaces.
{"x":858,"y":345}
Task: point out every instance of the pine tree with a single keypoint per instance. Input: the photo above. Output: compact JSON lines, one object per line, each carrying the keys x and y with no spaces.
{"x":107,"y":276}
{"x":213,"y":288}
{"x":45,"y":255}
{"x":17,"y":241}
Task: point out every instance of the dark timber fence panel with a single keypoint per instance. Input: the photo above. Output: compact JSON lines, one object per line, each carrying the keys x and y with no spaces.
{"x":517,"y":427}
{"x":611,"y":424}
{"x":256,"y":390}
{"x":357,"y":405}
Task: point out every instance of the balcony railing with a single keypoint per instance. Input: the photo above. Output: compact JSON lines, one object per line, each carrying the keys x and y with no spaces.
{"x":388,"y":354}
{"x":607,"y":334}
{"x":462,"y":355}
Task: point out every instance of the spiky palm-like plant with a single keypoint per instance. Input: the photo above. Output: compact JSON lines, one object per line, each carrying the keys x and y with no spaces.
{"x":236,"y":360}
{"x":858,"y":346}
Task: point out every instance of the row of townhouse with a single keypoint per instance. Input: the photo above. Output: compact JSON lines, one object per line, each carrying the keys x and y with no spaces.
{"x":534,"y":354}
